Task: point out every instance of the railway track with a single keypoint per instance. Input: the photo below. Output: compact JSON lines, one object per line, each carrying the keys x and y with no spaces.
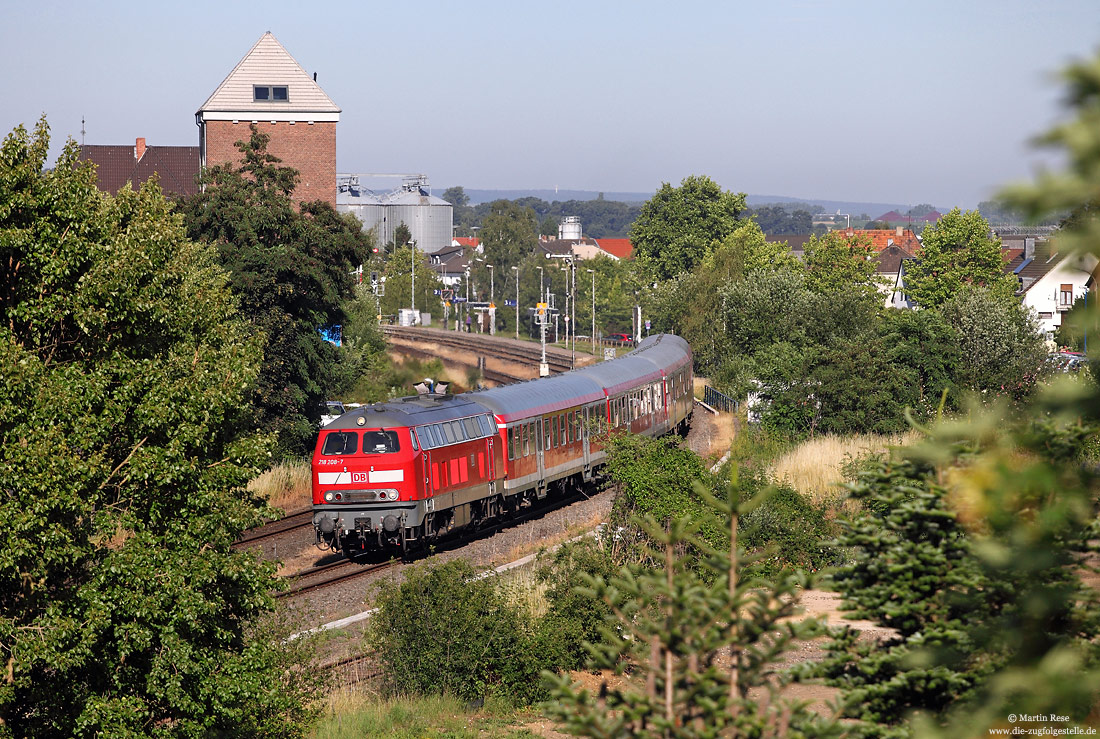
{"x":299,"y":520}
{"x":343,"y":570}
{"x":507,"y":350}
{"x":332,"y":573}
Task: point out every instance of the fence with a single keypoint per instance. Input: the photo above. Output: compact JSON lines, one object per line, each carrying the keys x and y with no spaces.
{"x":719,"y":401}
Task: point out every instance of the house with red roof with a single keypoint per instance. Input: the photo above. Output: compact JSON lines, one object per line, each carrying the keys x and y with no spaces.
{"x":468,"y":242}
{"x":884,"y":237}
{"x":616,"y":248}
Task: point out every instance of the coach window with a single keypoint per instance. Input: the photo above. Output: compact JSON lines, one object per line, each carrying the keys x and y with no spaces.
{"x":563,"y":434}
{"x":511,"y":444}
{"x":340,"y":443}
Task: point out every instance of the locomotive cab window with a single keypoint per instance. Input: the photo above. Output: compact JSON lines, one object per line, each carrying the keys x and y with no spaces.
{"x":339,"y":442}
{"x":381,"y":442}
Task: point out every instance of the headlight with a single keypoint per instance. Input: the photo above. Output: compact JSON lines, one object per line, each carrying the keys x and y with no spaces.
{"x":328,"y":496}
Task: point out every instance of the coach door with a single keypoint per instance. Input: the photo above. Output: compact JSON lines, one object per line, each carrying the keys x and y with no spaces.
{"x":586,"y":418}
{"x":540,"y":442}
{"x":492,"y":465}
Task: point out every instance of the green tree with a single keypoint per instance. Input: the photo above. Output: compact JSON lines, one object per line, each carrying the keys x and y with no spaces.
{"x":924,"y":343}
{"x":456,"y":196}
{"x":1000,"y":347}
{"x":695,"y":643}
{"x":549,"y":227}
{"x":956,"y":251}
{"x":679,"y":226}
{"x":509,"y":234}
{"x":291,"y":271}
{"x":124,"y":453}
{"x":837,"y":263}
{"x":402,"y":236}
{"x":913,"y":570}
{"x":398,"y":283}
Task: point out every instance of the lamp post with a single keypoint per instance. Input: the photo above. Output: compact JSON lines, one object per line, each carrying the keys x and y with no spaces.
{"x":516,"y":270}
{"x":593,"y":273}
{"x":492,"y":311}
{"x":412,"y":282}
{"x":544,"y":369}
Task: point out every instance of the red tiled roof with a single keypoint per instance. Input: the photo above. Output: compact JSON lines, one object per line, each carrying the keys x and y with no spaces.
{"x":468,"y":241}
{"x":621,"y":248}
{"x":117,"y":165}
{"x":884,"y":237}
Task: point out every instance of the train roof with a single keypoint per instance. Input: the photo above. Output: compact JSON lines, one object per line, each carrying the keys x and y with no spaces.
{"x":668,"y":351}
{"x":662,"y":353}
{"x":622,"y":373}
{"x":535,"y":397}
{"x":411,"y":411}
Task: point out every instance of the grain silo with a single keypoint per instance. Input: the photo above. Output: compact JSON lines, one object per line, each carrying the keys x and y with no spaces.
{"x":427,"y":217}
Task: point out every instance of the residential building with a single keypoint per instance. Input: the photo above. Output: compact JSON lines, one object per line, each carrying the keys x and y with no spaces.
{"x":1050,"y":281}
{"x":175,"y":166}
{"x":881,"y":238}
{"x":451,"y":264}
{"x":890,"y":267}
{"x":268,"y":89}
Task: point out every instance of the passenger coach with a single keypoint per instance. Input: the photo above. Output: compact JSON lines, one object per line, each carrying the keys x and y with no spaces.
{"x":406,"y":471}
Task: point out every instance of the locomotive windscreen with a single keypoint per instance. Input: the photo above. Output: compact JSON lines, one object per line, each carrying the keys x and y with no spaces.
{"x":340,"y":443}
{"x":381,"y":442}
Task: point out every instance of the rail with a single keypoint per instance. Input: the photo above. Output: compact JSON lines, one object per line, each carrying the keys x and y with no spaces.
{"x":719,"y":401}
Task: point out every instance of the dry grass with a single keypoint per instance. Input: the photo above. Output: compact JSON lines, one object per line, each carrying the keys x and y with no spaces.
{"x":568,"y":523}
{"x":286,"y":486}
{"x":815,"y":467}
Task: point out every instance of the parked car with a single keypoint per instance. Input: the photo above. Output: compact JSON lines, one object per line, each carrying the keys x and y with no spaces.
{"x":333,"y":409}
{"x":625,"y":338}
{"x":1068,"y":361}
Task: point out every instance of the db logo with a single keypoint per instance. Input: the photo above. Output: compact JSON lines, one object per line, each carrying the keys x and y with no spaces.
{"x":359,"y":477}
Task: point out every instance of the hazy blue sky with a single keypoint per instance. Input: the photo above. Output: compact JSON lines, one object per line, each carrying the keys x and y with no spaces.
{"x":877,"y":100}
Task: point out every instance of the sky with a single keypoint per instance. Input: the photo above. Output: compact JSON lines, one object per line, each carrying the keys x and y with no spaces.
{"x":882,"y":101}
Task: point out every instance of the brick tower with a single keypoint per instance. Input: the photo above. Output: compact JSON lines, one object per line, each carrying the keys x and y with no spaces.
{"x":270,"y":89}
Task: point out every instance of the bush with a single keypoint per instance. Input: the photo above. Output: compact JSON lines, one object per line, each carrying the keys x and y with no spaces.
{"x":573,"y":617}
{"x":791,"y":525}
{"x":443,"y":632}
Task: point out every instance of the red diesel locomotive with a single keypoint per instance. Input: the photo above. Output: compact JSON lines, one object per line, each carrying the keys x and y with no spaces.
{"x":404,"y":472}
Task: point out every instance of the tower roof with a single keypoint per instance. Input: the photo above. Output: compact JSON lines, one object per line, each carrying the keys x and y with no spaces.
{"x":268,"y":65}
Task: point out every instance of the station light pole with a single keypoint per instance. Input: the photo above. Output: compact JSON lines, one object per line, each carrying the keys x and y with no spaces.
{"x":412,"y":282}
{"x":492,"y":310}
{"x":593,"y":273}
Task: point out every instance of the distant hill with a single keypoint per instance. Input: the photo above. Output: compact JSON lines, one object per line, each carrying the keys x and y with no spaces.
{"x":853,"y":208}
{"x":488,"y":196}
